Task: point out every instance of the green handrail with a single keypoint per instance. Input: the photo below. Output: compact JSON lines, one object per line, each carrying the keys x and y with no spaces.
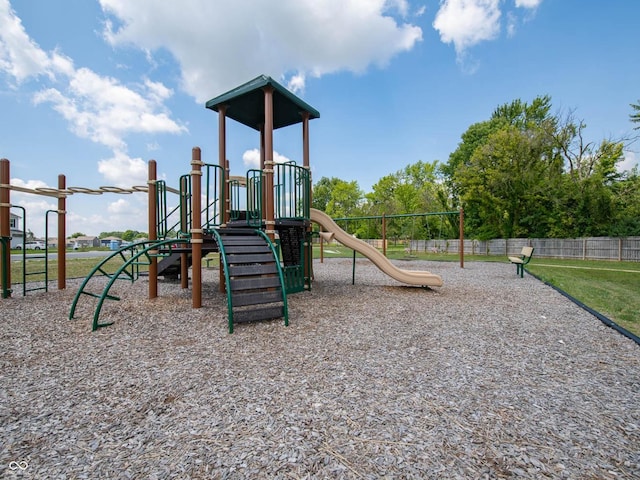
{"x":227,"y":278}
{"x":280,"y":275}
{"x":214,"y":176}
{"x":254,"y":198}
{"x":292,"y":191}
{"x":234,"y":201}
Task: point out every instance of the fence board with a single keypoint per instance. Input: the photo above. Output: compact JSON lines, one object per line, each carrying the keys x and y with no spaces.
{"x":587,"y":248}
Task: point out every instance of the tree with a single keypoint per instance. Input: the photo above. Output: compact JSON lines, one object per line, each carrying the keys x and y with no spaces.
{"x":129,"y":235}
{"x":503,"y":169}
{"x":345,"y":199}
{"x":585,"y":203}
{"x":337,"y":197}
{"x":322,"y":192}
{"x":77,"y":234}
{"x":635,"y":117}
{"x":382,"y":199}
{"x":505,"y":183}
{"x":627,"y":205}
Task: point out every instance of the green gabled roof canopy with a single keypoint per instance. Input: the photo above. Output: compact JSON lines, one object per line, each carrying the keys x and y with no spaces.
{"x":245,"y":104}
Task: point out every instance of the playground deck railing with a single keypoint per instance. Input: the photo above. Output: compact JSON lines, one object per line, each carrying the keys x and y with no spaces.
{"x":211,"y":213}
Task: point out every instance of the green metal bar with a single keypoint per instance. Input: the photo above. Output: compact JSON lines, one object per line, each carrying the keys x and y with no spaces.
{"x":134,"y":257}
{"x":133,"y":248}
{"x":353,"y":269}
{"x":183,"y":223}
{"x":116,"y":275}
{"x":186,"y":212}
{"x":235,"y":200}
{"x":292,"y":189}
{"x":96,"y":269}
{"x":23,"y":249}
{"x":254,"y":198}
{"x":280,"y":274}
{"x":227,"y":278}
{"x":215,"y":176}
{"x":5,"y":243}
{"x":399,"y":215}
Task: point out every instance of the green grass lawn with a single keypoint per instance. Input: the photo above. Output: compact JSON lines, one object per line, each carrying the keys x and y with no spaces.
{"x":610,"y":288}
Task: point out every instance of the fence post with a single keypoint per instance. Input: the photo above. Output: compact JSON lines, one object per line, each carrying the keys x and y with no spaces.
{"x":620,"y":249}
{"x":461,"y":237}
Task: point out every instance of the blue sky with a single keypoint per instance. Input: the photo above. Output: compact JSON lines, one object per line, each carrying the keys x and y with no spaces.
{"x":94,"y":89}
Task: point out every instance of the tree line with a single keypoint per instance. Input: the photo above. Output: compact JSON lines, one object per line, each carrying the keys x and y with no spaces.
{"x":523,"y":172}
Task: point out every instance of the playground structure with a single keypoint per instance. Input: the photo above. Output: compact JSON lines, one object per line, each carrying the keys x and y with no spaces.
{"x":260,"y":224}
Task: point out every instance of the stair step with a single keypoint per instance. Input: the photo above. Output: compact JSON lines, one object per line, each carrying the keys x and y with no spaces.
{"x":253,"y":283}
{"x":245,"y":240}
{"x":253,"y":269}
{"x":238,"y":231}
{"x":256,"y":297}
{"x":253,"y":258}
{"x":246,"y":249}
{"x":264,"y":313}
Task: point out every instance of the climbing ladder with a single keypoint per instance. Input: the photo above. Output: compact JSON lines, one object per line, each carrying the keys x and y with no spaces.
{"x":253,"y":276}
{"x":132,"y":257}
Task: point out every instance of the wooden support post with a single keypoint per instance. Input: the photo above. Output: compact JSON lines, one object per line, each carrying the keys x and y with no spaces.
{"x":5,"y":227}
{"x":196,"y":228}
{"x":153,"y":226}
{"x":268,"y":207}
{"x":62,"y":234}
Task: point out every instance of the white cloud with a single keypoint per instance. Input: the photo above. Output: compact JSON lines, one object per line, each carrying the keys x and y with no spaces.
{"x":306,"y":37}
{"x":103,"y":110}
{"x":124,"y":171}
{"x":20,"y":56}
{"x":296,"y":83}
{"x":467,"y":22}
{"x":401,"y":6}
{"x":630,"y":160}
{"x":251,"y":158}
{"x":96,"y":107}
{"x":119,"y":206}
{"x":528,"y":3}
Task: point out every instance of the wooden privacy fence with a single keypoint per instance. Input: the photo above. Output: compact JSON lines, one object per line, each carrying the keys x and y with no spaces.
{"x":588,"y":248}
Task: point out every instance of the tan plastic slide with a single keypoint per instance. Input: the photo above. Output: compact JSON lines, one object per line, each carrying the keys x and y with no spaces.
{"x":410,"y":277}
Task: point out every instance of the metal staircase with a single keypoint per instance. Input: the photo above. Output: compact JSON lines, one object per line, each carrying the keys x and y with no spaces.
{"x":253,"y":276}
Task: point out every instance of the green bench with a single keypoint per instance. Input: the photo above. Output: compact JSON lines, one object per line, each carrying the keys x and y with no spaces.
{"x":522,"y":260}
